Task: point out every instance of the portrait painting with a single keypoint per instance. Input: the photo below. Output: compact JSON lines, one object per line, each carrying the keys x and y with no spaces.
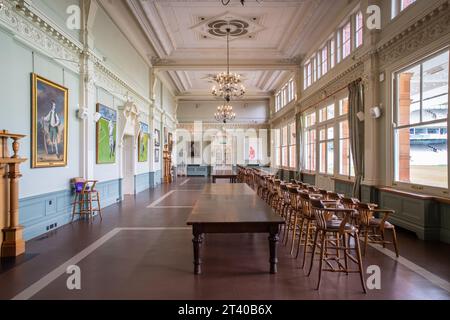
{"x":157,"y":138}
{"x":143,"y":143}
{"x":49,"y":123}
{"x":106,"y":135}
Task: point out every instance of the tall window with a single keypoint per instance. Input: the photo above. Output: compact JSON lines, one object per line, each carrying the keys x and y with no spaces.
{"x":400,"y":5}
{"x":345,"y":160}
{"x":324,"y":61}
{"x":339,"y":46}
{"x":285,"y":95}
{"x":277,"y":145}
{"x":319,"y":65}
{"x":420,"y":131}
{"x":292,"y":146}
{"x":291,"y":90}
{"x":310,"y":142}
{"x":326,"y":150}
{"x":346,"y":40}
{"x":308,"y":75}
{"x":358,"y":29}
{"x":284,"y":147}
{"x":332,"y":53}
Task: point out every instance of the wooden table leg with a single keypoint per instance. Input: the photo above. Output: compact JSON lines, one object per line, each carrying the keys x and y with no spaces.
{"x":197,"y":242}
{"x":273,"y":242}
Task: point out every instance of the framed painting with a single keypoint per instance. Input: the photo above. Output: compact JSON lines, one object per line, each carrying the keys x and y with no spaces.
{"x":50,"y":103}
{"x":195,"y":149}
{"x":157,"y":138}
{"x":156,"y":155}
{"x":106,"y":132}
{"x":143,"y":143}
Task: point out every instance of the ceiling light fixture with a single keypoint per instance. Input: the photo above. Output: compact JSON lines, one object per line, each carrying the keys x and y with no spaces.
{"x":228,"y":85}
{"x":226,"y":2}
{"x":224,"y":113}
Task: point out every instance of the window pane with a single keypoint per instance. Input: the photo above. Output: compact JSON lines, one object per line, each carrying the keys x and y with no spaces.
{"x":325,"y":60}
{"x":344,"y":157}
{"x":323,"y":135}
{"x":292,"y":157}
{"x":332,"y":53}
{"x":293,"y":133}
{"x":343,"y":130}
{"x":435,"y":88}
{"x":421,"y":158}
{"x":330,"y":112}
{"x":343,"y":106}
{"x":346,"y":44}
{"x":277,"y":157}
{"x":323,"y":115}
{"x":284,"y":140}
{"x":322,"y":157}
{"x":408,"y":93}
{"x":406,"y":3}
{"x":330,"y":133}
{"x":359,"y":29}
{"x":285,"y":157}
{"x":330,"y":157}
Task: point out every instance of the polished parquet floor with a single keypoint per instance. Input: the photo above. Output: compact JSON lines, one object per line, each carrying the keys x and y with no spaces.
{"x":142,"y":250}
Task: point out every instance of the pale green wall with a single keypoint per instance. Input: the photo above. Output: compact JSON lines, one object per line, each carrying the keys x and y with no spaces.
{"x":56,"y":11}
{"x":120,"y":54}
{"x":16,"y":65}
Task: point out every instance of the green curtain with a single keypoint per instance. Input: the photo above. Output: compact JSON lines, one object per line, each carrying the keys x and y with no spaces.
{"x":299,"y":148}
{"x":356,"y":127}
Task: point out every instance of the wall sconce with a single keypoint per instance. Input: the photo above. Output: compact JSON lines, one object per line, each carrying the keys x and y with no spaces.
{"x":82,"y":113}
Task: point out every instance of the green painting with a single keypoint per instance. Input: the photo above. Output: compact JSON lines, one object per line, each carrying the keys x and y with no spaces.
{"x":106,"y":135}
{"x":143,"y":143}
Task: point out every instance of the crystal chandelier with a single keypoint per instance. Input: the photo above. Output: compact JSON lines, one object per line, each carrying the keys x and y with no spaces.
{"x":224,"y":113}
{"x":229,"y":85}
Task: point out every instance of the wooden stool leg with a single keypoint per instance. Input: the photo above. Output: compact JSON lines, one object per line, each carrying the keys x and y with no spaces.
{"x":294,"y":232}
{"x":91,"y":213}
{"x":74,"y":207}
{"x":394,"y":236}
{"x":346,"y":251}
{"x":322,"y":253}
{"x":313,"y":252}
{"x":98,"y":206}
{"x":359,"y":258}
{"x":308,"y":228}
{"x":300,"y":238}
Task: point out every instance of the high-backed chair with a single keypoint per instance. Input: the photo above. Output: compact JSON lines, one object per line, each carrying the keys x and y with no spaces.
{"x":85,"y":196}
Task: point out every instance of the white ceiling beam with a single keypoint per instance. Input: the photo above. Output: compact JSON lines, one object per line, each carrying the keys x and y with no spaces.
{"x":211,"y":66}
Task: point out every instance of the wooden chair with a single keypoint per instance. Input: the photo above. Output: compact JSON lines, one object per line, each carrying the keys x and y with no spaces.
{"x":372,"y":229}
{"x":297,"y":216}
{"x":85,"y":196}
{"x":332,"y":237}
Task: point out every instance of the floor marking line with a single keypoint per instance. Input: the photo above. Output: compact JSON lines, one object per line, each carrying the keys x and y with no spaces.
{"x":434,"y":279}
{"x":59,"y":271}
{"x":173,"y":207}
{"x":154,"y":203}
{"x":184,"y":182}
{"x":50,"y":277}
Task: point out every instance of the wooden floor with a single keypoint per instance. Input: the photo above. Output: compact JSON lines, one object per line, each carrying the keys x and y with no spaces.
{"x":142,"y":250}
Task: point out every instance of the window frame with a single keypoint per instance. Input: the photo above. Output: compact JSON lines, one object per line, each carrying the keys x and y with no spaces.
{"x":414,"y":187}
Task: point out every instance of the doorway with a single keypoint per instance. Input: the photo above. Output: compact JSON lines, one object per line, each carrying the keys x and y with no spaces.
{"x":128,"y":166}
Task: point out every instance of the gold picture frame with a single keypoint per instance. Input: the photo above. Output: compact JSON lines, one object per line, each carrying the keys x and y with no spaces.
{"x":50,"y":125}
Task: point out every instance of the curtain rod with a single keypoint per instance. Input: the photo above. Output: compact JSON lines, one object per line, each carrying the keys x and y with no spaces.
{"x":329,"y":95}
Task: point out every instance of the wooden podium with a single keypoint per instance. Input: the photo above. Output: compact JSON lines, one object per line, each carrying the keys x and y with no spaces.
{"x":12,"y":244}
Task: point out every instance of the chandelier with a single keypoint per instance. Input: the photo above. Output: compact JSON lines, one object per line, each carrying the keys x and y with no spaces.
{"x":229,"y":85}
{"x":226,"y":2}
{"x":224,"y":113}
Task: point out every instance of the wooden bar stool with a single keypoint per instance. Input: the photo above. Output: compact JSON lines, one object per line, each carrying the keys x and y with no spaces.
{"x":334,"y":237}
{"x":85,"y":196}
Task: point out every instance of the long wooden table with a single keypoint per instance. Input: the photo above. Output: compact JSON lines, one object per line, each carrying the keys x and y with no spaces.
{"x":224,"y":174}
{"x":233,"y":208}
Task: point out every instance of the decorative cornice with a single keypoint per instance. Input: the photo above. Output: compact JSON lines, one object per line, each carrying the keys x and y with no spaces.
{"x":29,"y":28}
{"x":428,"y":29}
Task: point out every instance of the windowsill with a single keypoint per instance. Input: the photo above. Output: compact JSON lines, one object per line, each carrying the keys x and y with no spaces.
{"x":344,"y":179}
{"x":309,"y":173}
{"x":414,"y":195}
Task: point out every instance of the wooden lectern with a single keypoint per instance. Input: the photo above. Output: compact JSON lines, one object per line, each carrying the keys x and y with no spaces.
{"x":12,"y":244}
